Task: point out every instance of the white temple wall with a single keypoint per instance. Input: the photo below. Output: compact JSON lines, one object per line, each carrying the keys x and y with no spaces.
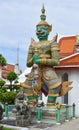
{"x":73,"y":94}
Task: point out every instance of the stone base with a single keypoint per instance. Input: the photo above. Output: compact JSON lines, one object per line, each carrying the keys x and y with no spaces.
{"x":1,"y":127}
{"x":23,"y":122}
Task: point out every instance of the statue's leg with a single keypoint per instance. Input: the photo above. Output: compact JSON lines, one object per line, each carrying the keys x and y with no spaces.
{"x":52,"y":95}
{"x":53,"y":83}
{"x":28,"y":91}
{"x":27,"y":88}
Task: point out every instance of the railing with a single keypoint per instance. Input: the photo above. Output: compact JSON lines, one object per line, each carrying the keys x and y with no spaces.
{"x":64,"y":114}
{"x":47,"y":115}
{"x":8,"y":111}
{"x":56,"y":115}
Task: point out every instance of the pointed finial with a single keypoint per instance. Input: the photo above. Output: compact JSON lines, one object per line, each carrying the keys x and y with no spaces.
{"x":43,"y":16}
{"x":43,"y":9}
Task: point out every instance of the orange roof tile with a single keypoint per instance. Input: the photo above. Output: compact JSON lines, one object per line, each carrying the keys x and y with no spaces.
{"x":67,"y":46}
{"x":6,"y":69}
{"x":9,"y":67}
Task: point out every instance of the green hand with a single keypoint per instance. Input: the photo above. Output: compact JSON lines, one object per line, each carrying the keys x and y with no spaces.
{"x":36,"y":59}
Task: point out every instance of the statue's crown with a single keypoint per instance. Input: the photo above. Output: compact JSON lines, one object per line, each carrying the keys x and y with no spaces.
{"x":43,"y":18}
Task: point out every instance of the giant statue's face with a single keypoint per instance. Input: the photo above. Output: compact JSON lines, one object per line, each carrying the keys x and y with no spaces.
{"x":42,"y":32}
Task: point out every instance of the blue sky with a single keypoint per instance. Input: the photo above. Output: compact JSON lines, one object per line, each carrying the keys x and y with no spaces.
{"x":18,"y":19}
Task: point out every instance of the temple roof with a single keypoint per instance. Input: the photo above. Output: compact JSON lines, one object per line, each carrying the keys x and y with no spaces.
{"x":6,"y":69}
{"x":70,"y":60}
{"x":67,"y":46}
{"x":68,"y":55}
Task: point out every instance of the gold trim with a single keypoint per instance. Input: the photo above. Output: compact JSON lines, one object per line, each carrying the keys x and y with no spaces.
{"x":28,"y":94}
{"x":54,"y":95}
{"x":51,"y":106}
{"x":43,"y":61}
{"x":44,"y":23}
{"x":53,"y":48}
{"x":63,"y":92}
{"x":25,"y":85}
{"x":54,"y":85}
{"x":44,"y":56}
{"x":66,"y":87}
{"x":46,"y":77}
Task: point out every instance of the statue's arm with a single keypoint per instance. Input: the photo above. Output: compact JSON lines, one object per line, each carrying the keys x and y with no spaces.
{"x":54,"y":55}
{"x":54,"y":60}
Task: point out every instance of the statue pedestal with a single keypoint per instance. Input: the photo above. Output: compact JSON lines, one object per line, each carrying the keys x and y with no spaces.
{"x":22,"y":121}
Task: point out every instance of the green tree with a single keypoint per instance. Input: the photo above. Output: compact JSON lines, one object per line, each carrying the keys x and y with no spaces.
{"x":7,"y":97}
{"x":11,"y":76}
{"x":2,"y":63}
{"x":2,"y":82}
{"x":2,"y":60}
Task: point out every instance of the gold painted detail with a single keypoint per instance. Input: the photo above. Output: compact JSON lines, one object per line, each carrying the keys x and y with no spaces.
{"x":54,"y":48}
{"x":45,"y":56}
{"x":25,"y":85}
{"x":58,"y":105}
{"x":54,"y":95}
{"x":50,"y":107}
{"x":28,"y":94}
{"x":43,"y":61}
{"x":65,"y":87}
{"x":39,"y":79}
{"x":54,"y":85}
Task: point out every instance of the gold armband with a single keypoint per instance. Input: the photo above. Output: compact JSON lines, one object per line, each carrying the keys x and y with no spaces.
{"x":43,"y":61}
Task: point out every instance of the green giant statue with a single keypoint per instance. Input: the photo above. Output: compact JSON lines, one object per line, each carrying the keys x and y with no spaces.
{"x":42,"y":56}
